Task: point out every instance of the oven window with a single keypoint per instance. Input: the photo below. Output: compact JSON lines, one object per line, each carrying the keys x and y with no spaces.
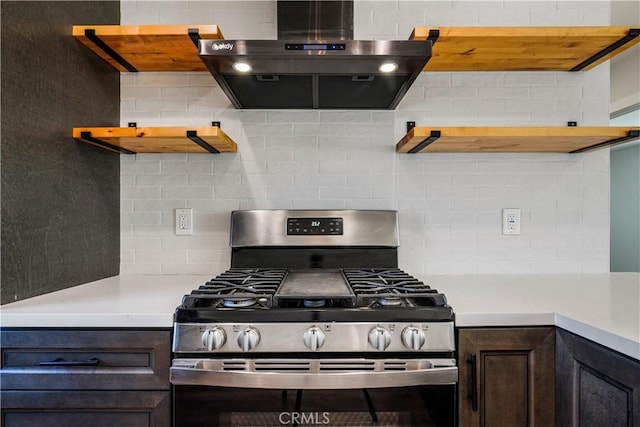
{"x":423,"y":406}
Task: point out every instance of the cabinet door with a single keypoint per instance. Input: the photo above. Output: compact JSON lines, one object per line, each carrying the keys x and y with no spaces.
{"x":506,"y":376}
{"x":80,"y":359}
{"x":86,"y":408}
{"x":595,"y":386}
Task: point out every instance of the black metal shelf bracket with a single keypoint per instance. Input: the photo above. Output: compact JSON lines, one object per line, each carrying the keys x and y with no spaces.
{"x":433,"y":36}
{"x":193,"y":135}
{"x":633,"y":33}
{"x":194,"y":35}
{"x":433,"y":137}
{"x":86,"y":136}
{"x":410,"y":125}
{"x":633,"y":134}
{"x":90,"y":33}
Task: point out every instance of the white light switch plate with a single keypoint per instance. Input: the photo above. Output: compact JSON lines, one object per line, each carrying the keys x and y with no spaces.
{"x":511,"y":221}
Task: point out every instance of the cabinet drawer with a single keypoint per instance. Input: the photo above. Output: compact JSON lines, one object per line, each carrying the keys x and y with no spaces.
{"x":86,"y":408}
{"x":53,"y":359}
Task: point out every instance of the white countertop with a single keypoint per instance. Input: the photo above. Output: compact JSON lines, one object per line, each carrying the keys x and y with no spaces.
{"x":604,"y":308}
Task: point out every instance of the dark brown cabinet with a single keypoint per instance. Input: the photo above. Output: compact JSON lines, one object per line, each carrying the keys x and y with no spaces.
{"x":595,"y":386}
{"x":64,"y":377}
{"x":506,"y":376}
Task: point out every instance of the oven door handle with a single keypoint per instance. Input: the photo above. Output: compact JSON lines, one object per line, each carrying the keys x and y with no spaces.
{"x":196,"y":375}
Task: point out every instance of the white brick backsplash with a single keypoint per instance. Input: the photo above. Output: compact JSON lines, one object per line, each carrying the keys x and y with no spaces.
{"x":449,"y":204}
{"x":175,"y":166}
{"x":284,"y":193}
{"x":555,"y":91}
{"x":133,"y":243}
{"x":273,"y":154}
{"x":272,"y":117}
{"x":188,"y":92}
{"x":480,"y":79}
{"x":134,"y":92}
{"x":480,"y":104}
{"x":159,"y":180}
{"x":324,"y":180}
{"x":161,"y":205}
{"x":513,"y":17}
{"x":138,"y":167}
{"x":503,"y":92}
{"x":292,"y":167}
{"x":344,"y":167}
{"x":140,"y":268}
{"x":161,"y":104}
{"x":139,"y":193}
{"x":530,"y":79}
{"x":187,"y":193}
{"x":161,"y":79}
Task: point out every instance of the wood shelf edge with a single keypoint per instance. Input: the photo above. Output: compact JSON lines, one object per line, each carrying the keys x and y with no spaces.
{"x":132,"y":140}
{"x":133,"y":48}
{"x":421,"y":33}
{"x":515,"y":139}
{"x":209,"y":30}
{"x":607,"y":42}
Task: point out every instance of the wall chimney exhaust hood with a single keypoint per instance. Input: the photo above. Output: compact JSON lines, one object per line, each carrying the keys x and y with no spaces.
{"x":315,"y":63}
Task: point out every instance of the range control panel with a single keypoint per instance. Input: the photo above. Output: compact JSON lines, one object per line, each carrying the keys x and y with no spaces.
{"x":314,"y":226}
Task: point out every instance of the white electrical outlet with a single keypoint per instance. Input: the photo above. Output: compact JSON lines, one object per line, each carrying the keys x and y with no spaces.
{"x":184,"y":221}
{"x":510,"y":221}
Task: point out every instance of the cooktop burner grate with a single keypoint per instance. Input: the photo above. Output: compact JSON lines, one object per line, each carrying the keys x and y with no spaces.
{"x":237,"y":288}
{"x":265,"y":288}
{"x":391,"y":287}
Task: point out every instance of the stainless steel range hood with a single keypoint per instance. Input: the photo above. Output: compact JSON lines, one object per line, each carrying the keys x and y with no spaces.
{"x":315,"y":64}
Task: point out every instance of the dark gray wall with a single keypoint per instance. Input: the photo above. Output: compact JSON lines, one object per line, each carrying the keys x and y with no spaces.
{"x":60,"y":198}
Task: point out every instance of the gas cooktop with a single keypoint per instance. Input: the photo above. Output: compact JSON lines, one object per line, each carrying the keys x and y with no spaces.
{"x":349,"y":294}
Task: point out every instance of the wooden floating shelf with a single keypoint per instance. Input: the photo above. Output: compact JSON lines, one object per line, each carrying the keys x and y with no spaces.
{"x":524,"y":48}
{"x":513,"y":139}
{"x":132,"y":140}
{"x":147,"y":47}
{"x":173,"y":47}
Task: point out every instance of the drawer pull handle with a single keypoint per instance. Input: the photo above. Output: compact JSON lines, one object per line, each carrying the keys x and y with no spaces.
{"x":471,"y":360}
{"x":61,"y":362}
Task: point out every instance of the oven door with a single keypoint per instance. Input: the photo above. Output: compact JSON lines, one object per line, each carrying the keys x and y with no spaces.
{"x":314,"y":392}
{"x":418,"y":406}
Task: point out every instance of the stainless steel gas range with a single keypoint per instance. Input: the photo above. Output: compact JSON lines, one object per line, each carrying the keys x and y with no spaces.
{"x":314,"y":304}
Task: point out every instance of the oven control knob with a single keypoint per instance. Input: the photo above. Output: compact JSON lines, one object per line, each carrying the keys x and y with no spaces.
{"x":313,"y":338}
{"x":248,"y":338}
{"x":380,"y":338}
{"x":214,"y":338}
{"x":413,"y":338}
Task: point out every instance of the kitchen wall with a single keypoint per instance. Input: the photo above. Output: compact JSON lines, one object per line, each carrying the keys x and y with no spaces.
{"x":450,"y":204}
{"x":625,"y":159}
{"x":625,"y":68}
{"x":60,"y":199}
{"x":625,"y":200}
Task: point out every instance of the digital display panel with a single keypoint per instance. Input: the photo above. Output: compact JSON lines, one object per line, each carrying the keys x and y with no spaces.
{"x":314,"y":46}
{"x":314,"y":226}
